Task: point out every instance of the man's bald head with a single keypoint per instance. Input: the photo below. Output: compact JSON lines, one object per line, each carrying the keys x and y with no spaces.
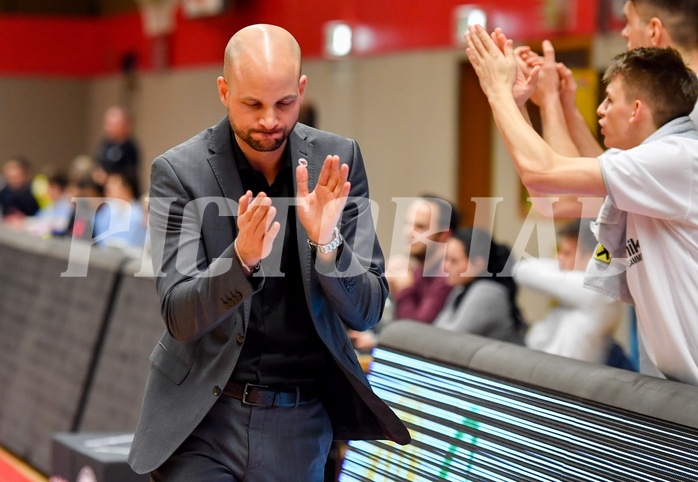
{"x":262,"y":88}
{"x":261,"y":46}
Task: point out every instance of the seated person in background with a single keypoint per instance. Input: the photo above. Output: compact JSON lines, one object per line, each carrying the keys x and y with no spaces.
{"x":419,"y":290}
{"x":54,"y":218}
{"x":16,"y":197}
{"x":483,"y":300}
{"x":124,"y":216}
{"x":87,"y":197}
{"x":582,"y":324}
{"x":418,"y":286}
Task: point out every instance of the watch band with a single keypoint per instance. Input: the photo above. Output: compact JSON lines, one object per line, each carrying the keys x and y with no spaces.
{"x":336,"y":242}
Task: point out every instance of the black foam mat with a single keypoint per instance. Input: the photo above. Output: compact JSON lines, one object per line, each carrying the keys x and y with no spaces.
{"x":134,"y":328}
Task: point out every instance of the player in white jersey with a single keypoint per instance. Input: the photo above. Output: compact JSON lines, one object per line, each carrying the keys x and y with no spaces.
{"x":649,"y":23}
{"x":651,"y":187}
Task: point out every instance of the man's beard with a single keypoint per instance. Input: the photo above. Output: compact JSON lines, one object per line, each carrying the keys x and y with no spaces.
{"x":263,"y":145}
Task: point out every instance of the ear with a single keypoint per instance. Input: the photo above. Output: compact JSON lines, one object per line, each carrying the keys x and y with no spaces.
{"x":659,"y":37}
{"x":223,"y":90}
{"x":641,"y":112}
{"x":638,"y":108}
{"x":301,"y":86}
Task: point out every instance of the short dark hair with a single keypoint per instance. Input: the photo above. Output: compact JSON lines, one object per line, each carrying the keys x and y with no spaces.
{"x":679,"y":17}
{"x":480,"y":243}
{"x":59,"y":179}
{"x":449,"y":214}
{"x":659,"y":77}
{"x":130,"y":181}
{"x":580,"y":231}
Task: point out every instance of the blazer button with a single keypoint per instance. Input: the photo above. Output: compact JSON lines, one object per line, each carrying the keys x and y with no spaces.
{"x":240,"y":338}
{"x":216,"y":390}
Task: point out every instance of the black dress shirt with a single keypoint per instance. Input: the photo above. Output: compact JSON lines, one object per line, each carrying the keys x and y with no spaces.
{"x":281,"y":345}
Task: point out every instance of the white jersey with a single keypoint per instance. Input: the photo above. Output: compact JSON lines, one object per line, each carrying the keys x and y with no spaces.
{"x":694,"y":114}
{"x":583,"y":322}
{"x":657,"y":184}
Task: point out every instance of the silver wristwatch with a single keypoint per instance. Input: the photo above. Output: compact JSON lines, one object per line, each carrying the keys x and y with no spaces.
{"x":336,"y":242}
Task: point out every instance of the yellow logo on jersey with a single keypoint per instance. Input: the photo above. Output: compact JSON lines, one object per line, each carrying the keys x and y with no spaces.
{"x":602,"y":254}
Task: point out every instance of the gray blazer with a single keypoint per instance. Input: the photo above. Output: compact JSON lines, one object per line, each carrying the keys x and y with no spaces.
{"x":206,"y":298}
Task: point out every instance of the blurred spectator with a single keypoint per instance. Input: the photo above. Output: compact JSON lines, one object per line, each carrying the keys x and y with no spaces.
{"x":87,"y":202}
{"x":483,"y":301}
{"x":583,"y":322}
{"x":418,"y":284}
{"x":122,"y":222}
{"x":55,"y":217}
{"x":81,"y":168}
{"x":16,"y":197}
{"x":118,"y":151}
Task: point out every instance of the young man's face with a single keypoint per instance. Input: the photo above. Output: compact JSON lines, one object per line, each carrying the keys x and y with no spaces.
{"x":615,"y":113}
{"x":636,"y":31}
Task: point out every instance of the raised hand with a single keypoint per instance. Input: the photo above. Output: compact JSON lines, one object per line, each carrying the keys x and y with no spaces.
{"x":549,"y":79}
{"x":526,"y":73}
{"x":568,"y":86}
{"x":493,"y":61}
{"x":527,"y":58}
{"x":319,"y":211}
{"x":256,"y":228}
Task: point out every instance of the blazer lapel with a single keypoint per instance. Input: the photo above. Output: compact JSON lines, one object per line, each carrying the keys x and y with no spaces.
{"x":222,"y":163}
{"x":301,"y":148}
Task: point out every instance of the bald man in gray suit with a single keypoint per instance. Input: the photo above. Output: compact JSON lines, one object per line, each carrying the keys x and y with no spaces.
{"x":265,"y":252}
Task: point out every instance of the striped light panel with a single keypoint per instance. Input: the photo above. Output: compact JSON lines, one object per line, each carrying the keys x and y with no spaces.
{"x":467,"y":426}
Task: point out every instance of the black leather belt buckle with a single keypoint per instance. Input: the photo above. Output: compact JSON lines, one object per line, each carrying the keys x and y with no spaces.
{"x":249,"y":387}
{"x":265,"y":396}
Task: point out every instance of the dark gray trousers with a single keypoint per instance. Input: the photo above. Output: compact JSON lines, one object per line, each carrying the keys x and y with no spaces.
{"x":242,"y":443}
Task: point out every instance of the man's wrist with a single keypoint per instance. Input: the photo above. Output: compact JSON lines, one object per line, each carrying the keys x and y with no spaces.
{"x":334,"y":243}
{"x":248,"y":270}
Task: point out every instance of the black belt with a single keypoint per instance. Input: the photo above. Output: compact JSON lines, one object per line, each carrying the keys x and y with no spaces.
{"x":266,"y":396}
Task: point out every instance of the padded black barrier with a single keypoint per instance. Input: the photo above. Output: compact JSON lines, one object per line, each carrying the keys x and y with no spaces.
{"x":481,"y":409}
{"x":50,"y":326}
{"x":133,"y":330}
{"x":93,"y":457}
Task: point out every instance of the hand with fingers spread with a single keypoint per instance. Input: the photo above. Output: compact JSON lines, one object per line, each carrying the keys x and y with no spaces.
{"x":495,"y":67}
{"x":526,"y":75}
{"x":256,"y":228}
{"x":319,"y":211}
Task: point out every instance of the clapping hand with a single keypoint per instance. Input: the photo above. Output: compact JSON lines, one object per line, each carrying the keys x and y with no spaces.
{"x":493,"y":60}
{"x":256,"y":228}
{"x":319,"y":211}
{"x":496,"y":64}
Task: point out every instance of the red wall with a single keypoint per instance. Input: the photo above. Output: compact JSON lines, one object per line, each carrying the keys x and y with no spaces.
{"x":70,"y":46}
